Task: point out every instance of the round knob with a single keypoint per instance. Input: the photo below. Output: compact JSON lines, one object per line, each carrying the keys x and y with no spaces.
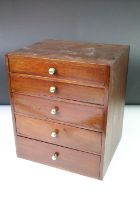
{"x":54,"y":156}
{"x":52,"y":89}
{"x":51,"y":71}
{"x":53,"y":110}
{"x":53,"y":134}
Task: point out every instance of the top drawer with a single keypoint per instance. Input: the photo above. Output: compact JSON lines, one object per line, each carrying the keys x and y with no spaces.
{"x":74,"y":71}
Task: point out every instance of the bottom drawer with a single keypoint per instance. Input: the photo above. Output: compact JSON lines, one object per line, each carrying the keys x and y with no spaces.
{"x":57,"y":156}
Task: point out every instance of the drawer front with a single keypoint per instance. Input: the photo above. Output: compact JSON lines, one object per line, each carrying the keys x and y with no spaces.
{"x":59,"y":134}
{"x":89,"y":73}
{"x":64,"y":158}
{"x":39,"y":87}
{"x":85,"y":116}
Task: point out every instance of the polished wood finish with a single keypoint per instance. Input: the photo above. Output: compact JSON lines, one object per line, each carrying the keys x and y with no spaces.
{"x":115,"y":108}
{"x":67,"y":136}
{"x":79,"y":72}
{"x":80,"y":115}
{"x":41,"y":87}
{"x":90,"y":82}
{"x":68,"y":159}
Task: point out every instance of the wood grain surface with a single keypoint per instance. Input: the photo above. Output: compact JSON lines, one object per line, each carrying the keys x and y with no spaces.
{"x":67,"y":136}
{"x":64,"y":70}
{"x":90,"y":81}
{"x":35,"y":86}
{"x":83,"y":116}
{"x":115,"y":108}
{"x":68,"y":159}
{"x":73,"y":51}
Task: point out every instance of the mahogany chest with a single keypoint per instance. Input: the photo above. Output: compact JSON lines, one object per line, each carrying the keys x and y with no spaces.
{"x":67,"y":102}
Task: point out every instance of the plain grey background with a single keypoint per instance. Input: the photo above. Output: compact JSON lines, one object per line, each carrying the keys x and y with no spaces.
{"x":23,"y":22}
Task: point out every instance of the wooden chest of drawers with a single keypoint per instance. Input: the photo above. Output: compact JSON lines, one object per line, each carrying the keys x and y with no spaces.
{"x":67,"y":101}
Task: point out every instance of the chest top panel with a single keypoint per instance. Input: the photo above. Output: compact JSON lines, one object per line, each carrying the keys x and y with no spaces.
{"x":73,"y":51}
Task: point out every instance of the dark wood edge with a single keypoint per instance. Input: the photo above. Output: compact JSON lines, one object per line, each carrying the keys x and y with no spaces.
{"x":10,"y":97}
{"x":105,"y":122}
{"x":126,"y":54}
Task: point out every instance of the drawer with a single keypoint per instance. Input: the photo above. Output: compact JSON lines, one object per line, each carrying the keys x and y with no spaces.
{"x":60,"y":157}
{"x":35,"y":86}
{"x":85,"y":116}
{"x":60,"y":134}
{"x":89,"y":73}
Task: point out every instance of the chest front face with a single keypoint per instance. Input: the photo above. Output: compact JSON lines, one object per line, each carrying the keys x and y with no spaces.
{"x":59,"y":94}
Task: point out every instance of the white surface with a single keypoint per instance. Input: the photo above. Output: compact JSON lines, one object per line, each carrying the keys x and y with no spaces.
{"x":28,"y":185}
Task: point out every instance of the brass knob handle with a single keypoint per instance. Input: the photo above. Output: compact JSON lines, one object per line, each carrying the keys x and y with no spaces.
{"x":52,"y":71}
{"x":54,"y":110}
{"x":54,"y":156}
{"x":53,"y":134}
{"x":52,"y":89}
